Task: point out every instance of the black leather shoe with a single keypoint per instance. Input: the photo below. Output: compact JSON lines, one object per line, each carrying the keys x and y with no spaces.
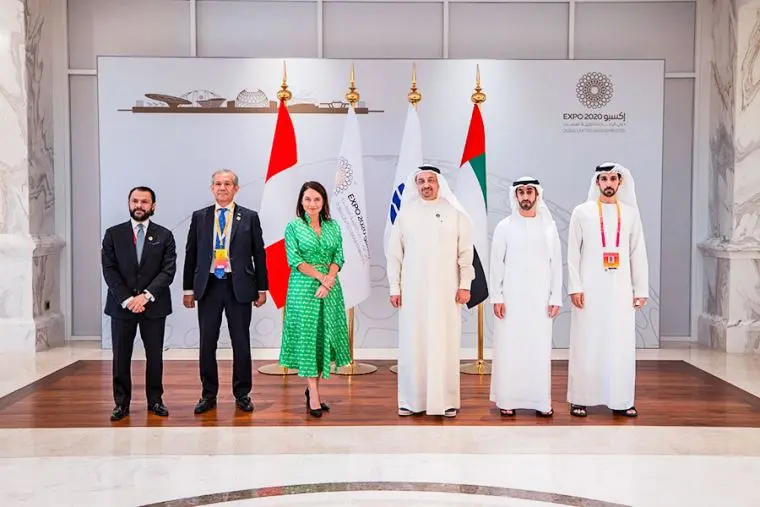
{"x":244,"y":403}
{"x":158,"y":408}
{"x":204,"y":405}
{"x":119,"y":413}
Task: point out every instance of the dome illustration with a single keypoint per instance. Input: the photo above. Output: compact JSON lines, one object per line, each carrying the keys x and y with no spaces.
{"x":255,"y":98}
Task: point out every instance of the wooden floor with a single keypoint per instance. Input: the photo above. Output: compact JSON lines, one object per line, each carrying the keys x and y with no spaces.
{"x":669,"y":393}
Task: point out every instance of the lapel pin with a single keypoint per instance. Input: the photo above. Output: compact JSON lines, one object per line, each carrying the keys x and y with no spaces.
{"x":150,"y":238}
{"x":238,"y":217}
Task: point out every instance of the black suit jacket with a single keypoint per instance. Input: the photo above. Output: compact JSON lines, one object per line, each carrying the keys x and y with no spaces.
{"x":246,"y":253}
{"x":126,"y":278}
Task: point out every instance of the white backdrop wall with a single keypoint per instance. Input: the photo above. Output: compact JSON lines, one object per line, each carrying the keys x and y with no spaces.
{"x":317,"y":28}
{"x":530,"y":129}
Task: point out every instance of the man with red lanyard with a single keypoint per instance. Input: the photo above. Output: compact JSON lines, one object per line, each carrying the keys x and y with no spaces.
{"x":139,"y":262}
{"x":608,"y":280}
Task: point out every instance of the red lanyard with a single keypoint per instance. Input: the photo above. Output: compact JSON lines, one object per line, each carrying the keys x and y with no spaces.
{"x":601,"y":224}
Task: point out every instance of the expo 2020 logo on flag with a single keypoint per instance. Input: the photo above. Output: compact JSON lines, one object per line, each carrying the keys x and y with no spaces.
{"x":594,"y":90}
{"x":345,"y":176}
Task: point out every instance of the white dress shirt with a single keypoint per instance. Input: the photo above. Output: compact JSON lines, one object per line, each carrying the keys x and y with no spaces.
{"x":145,"y":224}
{"x":135,"y":223}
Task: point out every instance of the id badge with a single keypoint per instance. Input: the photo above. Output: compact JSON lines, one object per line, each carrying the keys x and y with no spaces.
{"x":611,"y":260}
{"x":220,"y":258}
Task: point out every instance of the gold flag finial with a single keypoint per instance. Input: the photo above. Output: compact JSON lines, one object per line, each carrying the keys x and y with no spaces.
{"x":352,"y":96}
{"x":284,"y":94}
{"x":478,"y":97}
{"x":414,"y":95}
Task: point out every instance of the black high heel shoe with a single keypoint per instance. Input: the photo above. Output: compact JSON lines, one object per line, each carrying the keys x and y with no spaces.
{"x":323,"y":406}
{"x":312,"y":412}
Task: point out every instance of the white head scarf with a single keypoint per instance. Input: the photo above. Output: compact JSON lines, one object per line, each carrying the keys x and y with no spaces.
{"x":542,"y":210}
{"x":444,"y":191}
{"x":626,"y":192}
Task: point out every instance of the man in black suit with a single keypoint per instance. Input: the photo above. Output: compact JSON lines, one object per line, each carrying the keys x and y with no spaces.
{"x":139,"y":262}
{"x":225,"y":271}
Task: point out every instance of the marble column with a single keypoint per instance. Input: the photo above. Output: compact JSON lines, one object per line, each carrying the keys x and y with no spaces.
{"x":30,"y":316}
{"x":46,"y":258}
{"x":730,"y":318}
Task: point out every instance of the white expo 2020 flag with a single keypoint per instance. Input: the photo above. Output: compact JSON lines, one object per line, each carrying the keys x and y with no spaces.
{"x":349,"y":209}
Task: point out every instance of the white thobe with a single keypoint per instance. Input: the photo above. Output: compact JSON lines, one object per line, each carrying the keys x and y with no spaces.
{"x":429,"y":257}
{"x":526,"y":275}
{"x":602,"y":355}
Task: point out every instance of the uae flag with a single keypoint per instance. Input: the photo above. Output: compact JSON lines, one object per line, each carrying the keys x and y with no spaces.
{"x":471,"y":192}
{"x":349,"y":208}
{"x":277,"y":204}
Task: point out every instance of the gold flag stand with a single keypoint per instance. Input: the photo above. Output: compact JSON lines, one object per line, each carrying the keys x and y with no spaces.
{"x":479,"y":367}
{"x":276,"y":368}
{"x":414,"y":96}
{"x":353,"y":368}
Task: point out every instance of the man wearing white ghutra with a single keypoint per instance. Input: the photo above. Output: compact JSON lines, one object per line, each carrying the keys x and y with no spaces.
{"x":430,"y":272}
{"x":608,"y":280}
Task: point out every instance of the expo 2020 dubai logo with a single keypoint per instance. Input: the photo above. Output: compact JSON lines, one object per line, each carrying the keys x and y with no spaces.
{"x":594,"y":90}
{"x":345,"y":176}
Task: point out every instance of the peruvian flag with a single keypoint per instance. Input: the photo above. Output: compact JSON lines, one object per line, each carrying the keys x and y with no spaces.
{"x":280,"y":189}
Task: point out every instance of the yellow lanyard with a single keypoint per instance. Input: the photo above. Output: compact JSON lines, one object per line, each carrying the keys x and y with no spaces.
{"x":220,"y":237}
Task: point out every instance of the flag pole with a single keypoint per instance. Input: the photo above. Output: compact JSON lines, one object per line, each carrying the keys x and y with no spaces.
{"x":414,"y":96}
{"x":353,"y":368}
{"x":479,"y":367}
{"x":276,"y":368}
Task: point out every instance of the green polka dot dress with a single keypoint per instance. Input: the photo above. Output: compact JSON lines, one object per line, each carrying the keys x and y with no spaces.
{"x":315,"y":331}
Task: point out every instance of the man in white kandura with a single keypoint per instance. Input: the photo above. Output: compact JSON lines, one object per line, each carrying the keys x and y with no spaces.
{"x":429,"y":257}
{"x":608,"y":279}
{"x":526,"y":290}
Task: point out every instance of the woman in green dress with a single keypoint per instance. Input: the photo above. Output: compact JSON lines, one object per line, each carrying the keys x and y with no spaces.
{"x":315,"y":331}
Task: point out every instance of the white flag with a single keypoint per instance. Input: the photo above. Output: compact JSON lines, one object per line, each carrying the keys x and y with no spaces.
{"x":350,"y":210}
{"x":409,"y":159}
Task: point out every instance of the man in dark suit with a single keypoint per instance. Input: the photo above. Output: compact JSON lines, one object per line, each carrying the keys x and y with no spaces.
{"x":139,"y":262}
{"x":225,"y":271}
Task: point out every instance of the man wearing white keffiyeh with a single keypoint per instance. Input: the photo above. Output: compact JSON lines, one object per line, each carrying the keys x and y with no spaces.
{"x":430,"y":271}
{"x":608,"y":279}
{"x":526,"y":291}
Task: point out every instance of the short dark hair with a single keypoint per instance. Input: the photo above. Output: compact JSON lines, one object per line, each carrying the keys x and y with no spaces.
{"x":142,"y":189}
{"x":324,"y":214}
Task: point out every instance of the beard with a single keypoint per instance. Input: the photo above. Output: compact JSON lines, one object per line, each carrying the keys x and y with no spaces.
{"x":526,"y":205}
{"x":146,"y":215}
{"x":609,"y":192}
